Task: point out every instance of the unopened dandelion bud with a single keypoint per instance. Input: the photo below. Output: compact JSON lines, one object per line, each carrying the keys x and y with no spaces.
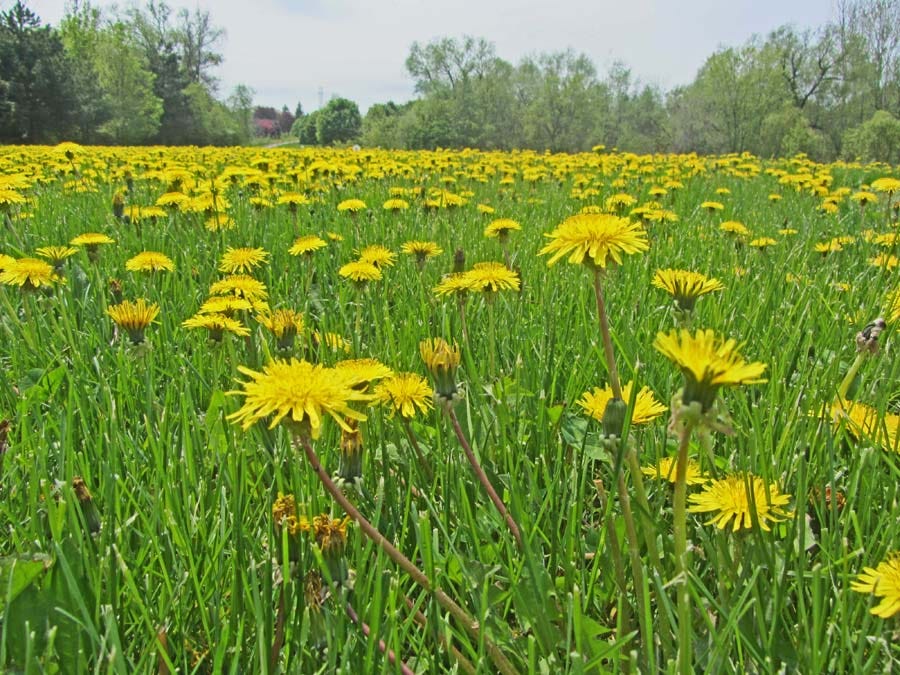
{"x":459,"y":261}
{"x":867,"y":338}
{"x":115,"y":290}
{"x":315,"y":595}
{"x":613,"y":421}
{"x":118,"y":205}
{"x":442,"y":361}
{"x":286,"y":523}
{"x":4,"y":436}
{"x":331,"y":537}
{"x":351,"y":451}
{"x":86,"y":502}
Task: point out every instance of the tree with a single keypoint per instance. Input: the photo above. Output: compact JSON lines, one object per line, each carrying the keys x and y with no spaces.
{"x":127,"y":83}
{"x":240,"y":103}
{"x":875,"y":140}
{"x":197,"y":37}
{"x":307,"y":134}
{"x":37,"y":79}
{"x":338,"y":122}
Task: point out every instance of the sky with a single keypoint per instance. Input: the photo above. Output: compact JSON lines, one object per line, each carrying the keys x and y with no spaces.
{"x":312,"y":50}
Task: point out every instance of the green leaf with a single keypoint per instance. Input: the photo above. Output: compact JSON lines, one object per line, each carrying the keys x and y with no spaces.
{"x":18,"y":573}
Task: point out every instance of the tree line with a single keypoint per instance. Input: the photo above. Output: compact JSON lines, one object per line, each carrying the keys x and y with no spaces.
{"x":145,"y":75}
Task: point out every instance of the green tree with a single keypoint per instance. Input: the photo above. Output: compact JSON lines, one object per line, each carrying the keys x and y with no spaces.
{"x":37,"y":79}
{"x":80,"y":30}
{"x":338,"y":122}
{"x":875,"y":140}
{"x":307,"y":133}
{"x":241,"y":105}
{"x":127,"y":83}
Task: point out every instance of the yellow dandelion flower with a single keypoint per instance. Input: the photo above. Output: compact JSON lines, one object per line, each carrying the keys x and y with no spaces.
{"x":134,"y":317}
{"x":667,"y":468}
{"x":352,"y":205}
{"x":744,"y":498}
{"x":864,"y":197}
{"x":490,"y":277}
{"x":236,"y":260}
{"x":330,"y":534}
{"x":282,"y":321}
{"x":6,"y":261}
{"x":217,"y":325}
{"x":885,"y":260}
{"x":734,"y":227}
{"x":646,"y":407}
{"x":619,"y":201}
{"x":712,"y":206}
{"x":685,"y":286}
{"x":307,"y":245}
{"x":150,"y":261}
{"x":377,"y":255}
{"x":404,"y":393}
{"x":56,"y":254}
{"x":359,"y":372}
{"x":92,"y":239}
{"x":360,"y":272}
{"x":886,"y":184}
{"x":240,"y":285}
{"x":29,"y":274}
{"x":300,"y":391}
{"x":862,"y":420}
{"x":335,"y":342}
{"x":441,"y":359}
{"x":708,"y":363}
{"x":763,"y":242}
{"x":421,"y":249}
{"x":227,"y":305}
{"x":395,"y":205}
{"x":883,"y":582}
{"x":597,"y":237}
{"x":457,"y":283}
{"x":501,"y":228}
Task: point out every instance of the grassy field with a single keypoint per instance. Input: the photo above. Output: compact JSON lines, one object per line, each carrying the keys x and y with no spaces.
{"x":145,"y":530}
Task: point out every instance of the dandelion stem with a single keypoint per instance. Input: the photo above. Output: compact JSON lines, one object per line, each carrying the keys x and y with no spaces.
{"x":464,"y":663}
{"x":492,"y":328}
{"x":607,"y":339}
{"x":616,"y":552}
{"x":685,"y":628}
{"x":278,"y":640}
{"x":461,"y":302}
{"x":483,"y":479}
{"x":637,"y":570}
{"x":471,"y":626}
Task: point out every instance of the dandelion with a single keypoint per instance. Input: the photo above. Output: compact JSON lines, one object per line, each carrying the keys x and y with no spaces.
{"x":619,"y":202}
{"x":666,"y":469}
{"x":351,"y":451}
{"x":360,"y":272}
{"x":422,"y":250}
{"x":734,"y":227}
{"x":600,"y":238}
{"x":134,"y":317}
{"x":744,"y":500}
{"x":708,"y":363}
{"x":6,"y":261}
{"x":882,"y":582}
{"x":150,"y":261}
{"x":92,"y":241}
{"x":360,"y":372}
{"x":501,"y":228}
{"x":57,"y":255}
{"x":395,"y":205}
{"x":864,"y":197}
{"x":646,"y":407}
{"x":826,"y":247}
{"x":887,"y":184}
{"x":712,"y":207}
{"x":864,"y":421}
{"x":352,"y":205}
{"x":284,"y":324}
{"x":228,"y":305}
{"x":29,"y":274}
{"x":685,"y":286}
{"x":216,"y":325}
{"x":241,"y":286}
{"x":490,"y":277}
{"x":377,"y":255}
{"x":236,"y":260}
{"x":441,"y":359}
{"x":457,"y":283}
{"x":885,"y":260}
{"x":405,"y":393}
{"x":333,"y":341}
{"x":762,"y":243}
{"x":298,"y":392}
{"x":307,"y":245}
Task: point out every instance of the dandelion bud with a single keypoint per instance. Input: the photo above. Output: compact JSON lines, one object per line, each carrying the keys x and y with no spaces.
{"x":351,"y":451}
{"x":86,"y":502}
{"x":867,"y":338}
{"x":4,"y":437}
{"x":115,"y":290}
{"x":331,"y":537}
{"x":118,"y":205}
{"x":442,"y":360}
{"x":613,"y":421}
{"x":314,"y":596}
{"x":284,"y":519}
{"x":459,"y":261}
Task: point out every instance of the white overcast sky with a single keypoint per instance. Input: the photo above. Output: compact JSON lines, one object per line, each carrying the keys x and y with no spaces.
{"x":286,"y":50}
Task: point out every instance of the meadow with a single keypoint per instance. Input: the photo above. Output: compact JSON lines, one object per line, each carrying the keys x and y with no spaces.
{"x":359,"y":423}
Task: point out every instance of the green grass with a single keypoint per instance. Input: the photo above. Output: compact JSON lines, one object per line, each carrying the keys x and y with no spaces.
{"x":186,"y":551}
